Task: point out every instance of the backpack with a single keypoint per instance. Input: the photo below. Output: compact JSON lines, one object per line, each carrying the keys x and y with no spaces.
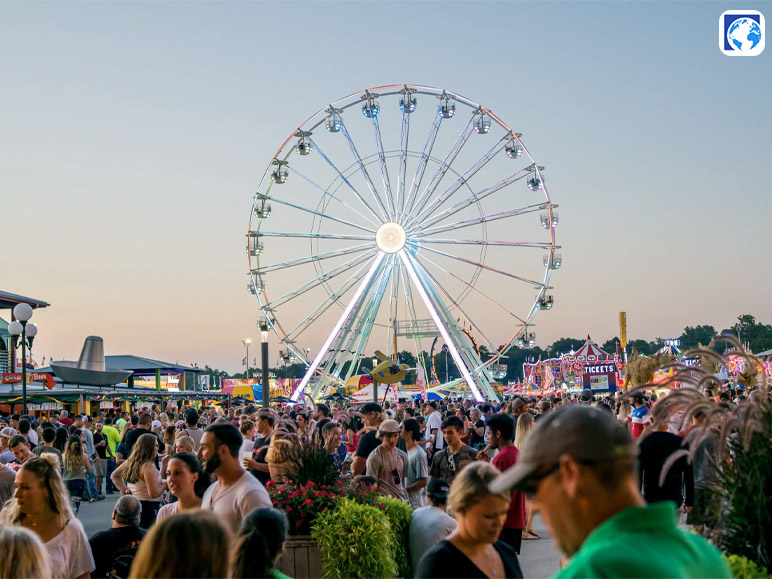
{"x":122,"y":561}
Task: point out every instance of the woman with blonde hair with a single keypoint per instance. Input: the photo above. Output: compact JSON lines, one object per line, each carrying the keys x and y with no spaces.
{"x":75,"y":465}
{"x":42,"y":505}
{"x":474,"y":548}
{"x":142,"y":478}
{"x":193,"y":544}
{"x":279,"y":453}
{"x":22,"y":554}
{"x":525,"y":423}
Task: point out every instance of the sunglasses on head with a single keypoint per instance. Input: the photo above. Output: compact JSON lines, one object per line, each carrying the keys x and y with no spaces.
{"x":531,"y":485}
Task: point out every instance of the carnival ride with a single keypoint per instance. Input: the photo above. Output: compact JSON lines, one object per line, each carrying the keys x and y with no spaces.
{"x":355,"y":232}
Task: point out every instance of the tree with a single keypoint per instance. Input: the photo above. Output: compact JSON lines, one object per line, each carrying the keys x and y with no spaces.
{"x":565,"y":345}
{"x":757,"y":336}
{"x":610,"y":346}
{"x":693,"y":336}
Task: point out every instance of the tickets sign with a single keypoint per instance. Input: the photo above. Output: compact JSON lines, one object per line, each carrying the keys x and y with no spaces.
{"x":600,"y":377}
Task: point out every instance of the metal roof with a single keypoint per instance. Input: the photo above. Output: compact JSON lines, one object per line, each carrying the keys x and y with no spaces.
{"x":9,"y":300}
{"x":138,"y":365}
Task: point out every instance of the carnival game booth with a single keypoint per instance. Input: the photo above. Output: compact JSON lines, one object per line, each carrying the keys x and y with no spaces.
{"x":248,"y":392}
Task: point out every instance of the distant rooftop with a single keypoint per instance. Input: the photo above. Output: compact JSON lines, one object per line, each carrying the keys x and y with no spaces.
{"x":139,"y":365}
{"x":9,"y":300}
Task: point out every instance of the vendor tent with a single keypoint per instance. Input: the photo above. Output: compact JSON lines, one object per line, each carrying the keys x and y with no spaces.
{"x":590,"y":352}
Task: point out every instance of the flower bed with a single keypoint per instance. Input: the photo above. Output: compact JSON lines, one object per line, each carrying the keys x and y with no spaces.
{"x":302,"y":503}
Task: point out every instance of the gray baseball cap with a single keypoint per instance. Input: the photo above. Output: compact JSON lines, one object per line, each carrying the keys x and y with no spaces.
{"x":582,"y":432}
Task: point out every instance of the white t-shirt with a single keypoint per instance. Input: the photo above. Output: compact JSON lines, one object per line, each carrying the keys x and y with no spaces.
{"x":434,"y":421}
{"x":246,"y":450}
{"x":238,"y":501}
{"x":70,"y":552}
{"x":167,"y":511}
{"x":33,"y":437}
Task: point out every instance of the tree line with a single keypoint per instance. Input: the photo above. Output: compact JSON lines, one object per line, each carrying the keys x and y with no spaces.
{"x":747,"y":329}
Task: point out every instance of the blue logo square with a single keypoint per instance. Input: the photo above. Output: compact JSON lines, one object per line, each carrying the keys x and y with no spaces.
{"x":729,"y":19}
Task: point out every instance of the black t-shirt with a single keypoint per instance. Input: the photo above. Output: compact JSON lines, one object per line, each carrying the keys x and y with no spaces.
{"x":655,"y":449}
{"x":447,"y":561}
{"x":105,"y":544}
{"x":258,"y":453}
{"x":475,"y":438}
{"x":368,"y":442}
{"x":133,"y":435}
{"x":100,"y":450}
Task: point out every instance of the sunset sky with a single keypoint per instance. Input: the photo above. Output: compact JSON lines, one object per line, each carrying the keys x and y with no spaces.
{"x":134,"y":135}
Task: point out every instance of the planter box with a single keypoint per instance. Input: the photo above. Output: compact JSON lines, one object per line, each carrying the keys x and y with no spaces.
{"x":301,"y":558}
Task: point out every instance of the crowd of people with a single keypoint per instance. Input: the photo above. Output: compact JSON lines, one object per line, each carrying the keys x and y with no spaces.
{"x":194,"y":504}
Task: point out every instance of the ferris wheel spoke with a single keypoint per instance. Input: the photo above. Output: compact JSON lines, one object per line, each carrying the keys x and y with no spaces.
{"x":331,"y":196}
{"x":323,"y":350}
{"x":361,"y":333}
{"x":346,"y":181}
{"x":486,"y":267}
{"x":319,"y":280}
{"x":311,"y":235}
{"x":435,"y":306}
{"x":417,"y":263}
{"x":320,"y":214}
{"x":410,"y":308}
{"x":332,"y":298}
{"x":404,"y":139}
{"x":473,"y":288}
{"x":482,"y":219}
{"x":384,"y":169}
{"x":462,"y":179}
{"x":473,"y":198}
{"x":363,"y":170}
{"x":488,"y":242}
{"x":423,"y":162}
{"x":315,"y":257}
{"x":423,"y":199}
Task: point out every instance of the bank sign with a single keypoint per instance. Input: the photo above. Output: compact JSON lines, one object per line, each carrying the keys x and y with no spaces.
{"x":600,"y":377}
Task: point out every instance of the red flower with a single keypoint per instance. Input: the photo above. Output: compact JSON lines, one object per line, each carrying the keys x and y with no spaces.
{"x":308,"y":502}
{"x":289,"y":508}
{"x":340,"y":483}
{"x":383,"y":506}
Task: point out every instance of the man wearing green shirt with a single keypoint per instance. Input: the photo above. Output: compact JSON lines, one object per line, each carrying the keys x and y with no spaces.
{"x":578,"y":467}
{"x":113,"y":439}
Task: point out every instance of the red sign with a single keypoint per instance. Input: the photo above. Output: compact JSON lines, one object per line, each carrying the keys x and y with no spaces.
{"x":15,"y":378}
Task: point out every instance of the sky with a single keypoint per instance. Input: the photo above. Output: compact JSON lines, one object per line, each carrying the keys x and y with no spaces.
{"x":133,"y":136}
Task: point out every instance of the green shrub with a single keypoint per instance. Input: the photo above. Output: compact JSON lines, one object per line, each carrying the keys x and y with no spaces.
{"x":399,"y":514}
{"x":350,"y":538}
{"x":312,"y":463}
{"x":744,"y":568}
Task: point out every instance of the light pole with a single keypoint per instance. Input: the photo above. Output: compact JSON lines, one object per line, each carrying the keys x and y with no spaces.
{"x":22,"y":333}
{"x":264,"y":343}
{"x":247,"y":342}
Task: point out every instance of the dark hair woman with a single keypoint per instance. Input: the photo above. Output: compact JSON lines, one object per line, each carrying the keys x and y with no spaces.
{"x":259,"y":544}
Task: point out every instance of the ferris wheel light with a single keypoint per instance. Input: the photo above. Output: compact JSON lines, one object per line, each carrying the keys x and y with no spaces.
{"x":482,"y":123}
{"x":535,"y":183}
{"x":513,"y":150}
{"x":407,"y":105}
{"x":390,"y":237}
{"x":555,"y":262}
{"x":371,"y":109}
{"x":334,"y":123}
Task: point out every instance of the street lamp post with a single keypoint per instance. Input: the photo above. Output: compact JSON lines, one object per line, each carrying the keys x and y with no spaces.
{"x":22,"y":333}
{"x":264,"y":344}
{"x":247,"y":342}
{"x":375,"y":384}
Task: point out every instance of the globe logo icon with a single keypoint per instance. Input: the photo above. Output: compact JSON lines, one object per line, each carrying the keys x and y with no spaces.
{"x":744,"y":34}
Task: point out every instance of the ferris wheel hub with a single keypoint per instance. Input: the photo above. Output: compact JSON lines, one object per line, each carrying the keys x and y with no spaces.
{"x":390,"y":237}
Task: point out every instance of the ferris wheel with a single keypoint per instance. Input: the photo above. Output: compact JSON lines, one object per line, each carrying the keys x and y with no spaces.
{"x":392,"y":214}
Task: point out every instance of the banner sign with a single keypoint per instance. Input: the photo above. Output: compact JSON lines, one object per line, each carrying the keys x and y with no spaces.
{"x":45,"y":406}
{"x":600,"y":377}
{"x":15,"y":378}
